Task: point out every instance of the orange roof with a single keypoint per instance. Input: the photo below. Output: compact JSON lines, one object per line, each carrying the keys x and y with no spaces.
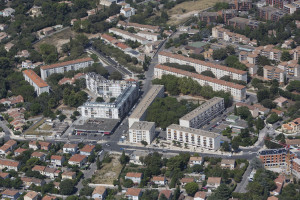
{"x":47,"y":197}
{"x":56,"y":157}
{"x":158,"y":178}
{"x":133,"y":191}
{"x":10,"y":142}
{"x":272,"y":198}
{"x":214,"y":180}
{"x":31,"y":194}
{"x":99,"y":190}
{"x":38,"y":168}
{"x":88,"y":148}
{"x":192,"y":60}
{"x":134,"y":174}
{"x":37,"y":154}
{"x":107,"y":37}
{"x":286,"y":126}
{"x":70,"y":146}
{"x":20,"y":150}
{"x":35,"y":78}
{"x":187,"y":180}
{"x":201,"y":77}
{"x":44,"y":144}
{"x":9,"y":163}
{"x":200,"y":194}
{"x":10,"y":192}
{"x":122,"y":45}
{"x":167,"y":193}
{"x":196,"y":158}
{"x":3,"y":174}
{"x":68,"y":173}
{"x":66,"y":63}
{"x":77,"y":158}
{"x":278,"y":112}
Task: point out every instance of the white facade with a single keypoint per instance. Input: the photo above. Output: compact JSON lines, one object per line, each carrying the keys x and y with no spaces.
{"x":237,"y":91}
{"x":149,"y":36}
{"x":8,"y":12}
{"x":200,"y":66}
{"x":142,"y":131}
{"x":127,"y":12}
{"x":63,"y":67}
{"x":134,"y":179}
{"x":39,"y":85}
{"x":71,"y":150}
{"x":194,"y":137}
{"x":128,"y":36}
{"x":139,"y":113}
{"x":115,"y":110}
{"x":203,"y":114}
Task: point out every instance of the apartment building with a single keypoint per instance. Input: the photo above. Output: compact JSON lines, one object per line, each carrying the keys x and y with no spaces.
{"x":270,"y":13}
{"x":291,"y":127}
{"x":128,"y":36}
{"x":149,"y":35}
{"x":241,"y":23}
{"x":212,"y":17}
{"x":277,"y":3}
{"x":268,"y":51}
{"x":139,"y":113}
{"x":241,"y":5}
{"x":271,"y":72}
{"x":137,"y":26}
{"x":39,"y":84}
{"x":142,"y":131}
{"x":200,"y":66}
{"x":237,"y":91}
{"x":296,"y":167}
{"x":63,"y":67}
{"x":291,"y":68}
{"x":194,"y":137}
{"x":275,"y":157}
{"x":203,"y":114}
{"x":292,"y":7}
{"x":114,"y":110}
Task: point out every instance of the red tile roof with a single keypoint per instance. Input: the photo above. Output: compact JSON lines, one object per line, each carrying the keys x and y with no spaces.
{"x":88,"y":148}
{"x":66,"y":63}
{"x":77,"y":158}
{"x":99,"y":190}
{"x":107,"y":37}
{"x":133,"y":191}
{"x":37,"y":154}
{"x":201,"y":77}
{"x":70,"y":145}
{"x":200,"y":62}
{"x":56,"y":157}
{"x":38,"y":168}
{"x":10,"y":192}
{"x":187,"y":180}
{"x":167,"y":193}
{"x":158,"y":178}
{"x":20,"y":150}
{"x":35,"y":78}
{"x":9,"y":163}
{"x":47,"y":197}
{"x":134,"y":174}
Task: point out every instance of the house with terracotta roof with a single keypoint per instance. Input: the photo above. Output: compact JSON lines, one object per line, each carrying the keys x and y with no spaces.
{"x":57,"y":160}
{"x":51,"y":172}
{"x":279,"y":181}
{"x":228,"y":164}
{"x":272,"y":198}
{"x":28,"y":181}
{"x":10,"y":194}
{"x":78,"y":160}
{"x":213,"y":182}
{"x":261,"y":109}
{"x":9,"y":164}
{"x":99,"y":192}
{"x":70,"y":148}
{"x":167,"y":193}
{"x":281,"y":101}
{"x":19,"y":151}
{"x":291,"y":127}
{"x":40,"y":155}
{"x":87,"y":150}
{"x":34,"y":145}
{"x":12,"y":100}
{"x":31,"y":196}
{"x":4,"y":175}
{"x":195,"y":160}
{"x":184,"y":181}
{"x":133,"y":193}
{"x":278,"y":112}
{"x":62,"y":67}
{"x":159,"y":180}
{"x":39,"y":168}
{"x":39,"y":84}
{"x":45,"y":145}
{"x":135,"y":177}
{"x":68,"y":175}
{"x":48,"y":197}
{"x":201,"y":195}
{"x":7,"y":147}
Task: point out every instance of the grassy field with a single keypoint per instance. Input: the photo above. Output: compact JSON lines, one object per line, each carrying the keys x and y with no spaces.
{"x":187,"y":9}
{"x":34,"y":130}
{"x":109,"y":172}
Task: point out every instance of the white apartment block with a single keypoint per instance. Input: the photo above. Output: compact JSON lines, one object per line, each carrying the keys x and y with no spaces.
{"x":142,"y":27}
{"x":237,"y":91}
{"x":102,"y":87}
{"x":115,"y":110}
{"x":200,"y":66}
{"x":63,"y":67}
{"x":39,"y":84}
{"x":142,"y":131}
{"x":127,"y":12}
{"x":139,"y":113}
{"x":203,"y":114}
{"x":128,"y":36}
{"x":194,"y":137}
{"x":149,"y":36}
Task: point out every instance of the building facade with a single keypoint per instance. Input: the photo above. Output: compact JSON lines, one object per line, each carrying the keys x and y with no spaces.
{"x":128,"y":36}
{"x":271,"y":73}
{"x":142,"y":131}
{"x":203,"y":114}
{"x":39,"y":84}
{"x":275,"y":157}
{"x":63,"y":67}
{"x":194,"y":137}
{"x":237,"y":91}
{"x":200,"y":66}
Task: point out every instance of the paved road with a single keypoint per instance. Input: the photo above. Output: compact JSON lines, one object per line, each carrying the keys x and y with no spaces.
{"x":7,"y":132}
{"x":241,"y":187}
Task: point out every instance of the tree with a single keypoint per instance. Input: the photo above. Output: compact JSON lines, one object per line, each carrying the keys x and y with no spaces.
{"x":256,"y":163}
{"x":230,"y":50}
{"x":226,"y":146}
{"x":263,"y":94}
{"x":259,"y":123}
{"x":67,"y":187}
{"x":286,"y":56}
{"x":268,"y":103}
{"x":116,"y":76}
{"x":191,"y":188}
{"x":124,"y":159}
{"x":144,"y":143}
{"x":235,"y":110}
{"x":208,"y":73}
{"x":222,"y":193}
{"x":235,"y":145}
{"x":219,"y":54}
{"x":128,"y":183}
{"x":162,"y":197}
{"x":273,"y":118}
{"x":62,"y":117}
{"x":99,"y":99}
{"x":244,"y":112}
{"x":86,"y":191}
{"x":98,"y":163}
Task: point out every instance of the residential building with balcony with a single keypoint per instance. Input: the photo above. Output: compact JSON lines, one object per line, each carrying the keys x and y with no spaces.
{"x":142,"y":131}
{"x":39,"y":84}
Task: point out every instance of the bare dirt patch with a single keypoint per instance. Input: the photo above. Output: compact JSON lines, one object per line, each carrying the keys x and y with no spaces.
{"x":184,"y":10}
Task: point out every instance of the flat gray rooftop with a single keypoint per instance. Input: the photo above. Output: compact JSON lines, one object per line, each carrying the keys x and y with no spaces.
{"x":99,"y":125}
{"x":142,"y":125}
{"x":194,"y":131}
